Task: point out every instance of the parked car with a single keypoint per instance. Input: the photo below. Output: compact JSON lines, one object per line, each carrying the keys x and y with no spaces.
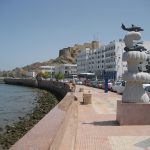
{"x":99,"y":84}
{"x":147,"y":89}
{"x":87,"y":83}
{"x":78,"y":82}
{"x":94,"y":83}
{"x":65,"y":80}
{"x":115,"y":85}
{"x":146,"y":85}
{"x":118,"y":86}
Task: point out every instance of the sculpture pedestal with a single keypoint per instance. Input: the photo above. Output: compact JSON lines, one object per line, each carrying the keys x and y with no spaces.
{"x":133,"y":113}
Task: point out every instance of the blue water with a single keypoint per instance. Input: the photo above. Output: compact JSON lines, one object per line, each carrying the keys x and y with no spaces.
{"x":15,"y":102}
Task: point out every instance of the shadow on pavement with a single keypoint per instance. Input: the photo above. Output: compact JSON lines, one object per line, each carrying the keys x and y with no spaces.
{"x":103,"y":123}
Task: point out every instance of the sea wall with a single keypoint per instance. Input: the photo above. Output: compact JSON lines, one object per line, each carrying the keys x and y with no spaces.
{"x":18,"y":81}
{"x":57,"y":88}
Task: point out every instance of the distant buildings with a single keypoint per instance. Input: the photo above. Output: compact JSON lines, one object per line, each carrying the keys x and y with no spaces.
{"x":67,"y":69}
{"x":105,"y":61}
{"x":31,"y":74}
{"x":49,"y":69}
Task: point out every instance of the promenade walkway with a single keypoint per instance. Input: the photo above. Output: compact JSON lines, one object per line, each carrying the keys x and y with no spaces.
{"x":98,"y":129}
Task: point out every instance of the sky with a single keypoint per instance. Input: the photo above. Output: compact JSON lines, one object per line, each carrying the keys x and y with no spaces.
{"x":35,"y":30}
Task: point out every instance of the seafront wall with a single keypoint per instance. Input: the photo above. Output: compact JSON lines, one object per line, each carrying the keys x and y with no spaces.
{"x":57,"y":130}
{"x":57,"y":88}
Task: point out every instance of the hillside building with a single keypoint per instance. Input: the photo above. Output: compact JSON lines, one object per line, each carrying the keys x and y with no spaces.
{"x":49,"y":69}
{"x":67,"y":69}
{"x":31,"y":74}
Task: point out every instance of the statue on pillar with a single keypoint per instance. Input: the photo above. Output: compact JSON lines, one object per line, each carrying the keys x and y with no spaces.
{"x":134,"y":54}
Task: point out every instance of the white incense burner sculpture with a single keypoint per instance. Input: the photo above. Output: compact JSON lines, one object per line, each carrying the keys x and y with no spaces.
{"x":134,"y":54}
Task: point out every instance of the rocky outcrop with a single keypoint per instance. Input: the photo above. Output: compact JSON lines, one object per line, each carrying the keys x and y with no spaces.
{"x":70,"y":53}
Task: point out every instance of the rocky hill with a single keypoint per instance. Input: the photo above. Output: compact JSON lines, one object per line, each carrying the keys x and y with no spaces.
{"x":66,"y":56}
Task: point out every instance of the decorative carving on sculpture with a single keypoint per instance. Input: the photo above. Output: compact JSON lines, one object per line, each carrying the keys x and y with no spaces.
{"x":135,"y":48}
{"x":134,"y":54}
{"x":132,"y":28}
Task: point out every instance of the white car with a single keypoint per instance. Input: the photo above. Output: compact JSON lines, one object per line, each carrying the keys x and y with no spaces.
{"x":147,"y":89}
{"x":121,"y":87}
{"x":118,"y":87}
{"x":78,"y":82}
{"x":65,"y":80}
{"x":145,"y":85}
{"x":115,"y":85}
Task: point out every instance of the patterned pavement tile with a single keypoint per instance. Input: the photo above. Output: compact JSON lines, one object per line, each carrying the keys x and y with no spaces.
{"x":129,"y":142}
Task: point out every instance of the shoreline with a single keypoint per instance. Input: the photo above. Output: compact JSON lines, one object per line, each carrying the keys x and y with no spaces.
{"x":45,"y":102}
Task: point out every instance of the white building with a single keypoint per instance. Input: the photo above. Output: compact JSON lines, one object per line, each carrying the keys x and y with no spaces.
{"x":31,"y":74}
{"x":82,"y":60}
{"x":49,"y":69}
{"x":105,"y":61}
{"x":114,"y":67}
{"x":96,"y":60}
{"x":67,"y":69}
{"x":90,"y":60}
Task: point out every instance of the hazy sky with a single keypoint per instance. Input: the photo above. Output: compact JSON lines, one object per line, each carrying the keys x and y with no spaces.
{"x":35,"y":30}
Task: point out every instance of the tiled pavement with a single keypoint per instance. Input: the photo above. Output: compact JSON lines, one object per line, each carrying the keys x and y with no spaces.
{"x":98,"y":129}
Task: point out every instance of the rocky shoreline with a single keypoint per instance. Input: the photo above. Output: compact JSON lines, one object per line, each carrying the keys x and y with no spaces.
{"x":45,"y":102}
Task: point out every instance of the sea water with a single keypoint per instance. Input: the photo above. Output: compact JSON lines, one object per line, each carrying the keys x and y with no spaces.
{"x":15,"y":102}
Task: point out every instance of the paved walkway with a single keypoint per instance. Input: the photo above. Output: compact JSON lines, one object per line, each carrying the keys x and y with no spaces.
{"x":98,"y":129}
